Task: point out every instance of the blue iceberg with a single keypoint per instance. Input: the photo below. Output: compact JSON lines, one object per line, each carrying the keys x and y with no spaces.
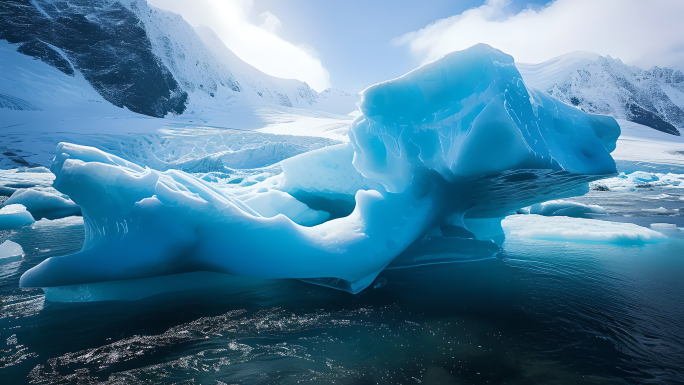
{"x":14,"y":216}
{"x":44,"y":205}
{"x":458,"y":143}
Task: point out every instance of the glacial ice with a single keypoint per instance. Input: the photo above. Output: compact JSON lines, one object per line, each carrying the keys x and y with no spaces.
{"x":44,"y":205}
{"x":565,"y":208}
{"x":663,"y":225}
{"x":643,"y":177}
{"x":327,"y":171}
{"x":38,"y":170}
{"x":468,"y":114}
{"x":62,"y":222}
{"x":273,"y":202}
{"x":632,"y":181}
{"x":669,"y":229}
{"x":14,"y":216}
{"x":578,"y":230}
{"x":458,"y":142}
{"x":9,"y":249}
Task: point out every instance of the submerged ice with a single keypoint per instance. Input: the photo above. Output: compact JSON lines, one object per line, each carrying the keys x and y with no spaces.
{"x":455,"y":144}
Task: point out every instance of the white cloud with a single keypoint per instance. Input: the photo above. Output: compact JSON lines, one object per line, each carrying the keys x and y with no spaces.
{"x":258,"y":45}
{"x":643,"y":32}
{"x":270,"y":22}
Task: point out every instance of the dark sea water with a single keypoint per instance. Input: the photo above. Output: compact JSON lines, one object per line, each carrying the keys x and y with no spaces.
{"x":540,"y":312}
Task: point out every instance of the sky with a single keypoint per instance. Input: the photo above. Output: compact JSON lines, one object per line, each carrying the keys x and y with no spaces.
{"x":352,"y":44}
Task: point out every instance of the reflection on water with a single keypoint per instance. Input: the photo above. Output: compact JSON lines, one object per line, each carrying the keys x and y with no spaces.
{"x":540,"y":312}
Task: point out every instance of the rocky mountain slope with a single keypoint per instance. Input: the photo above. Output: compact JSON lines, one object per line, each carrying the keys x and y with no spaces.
{"x":149,"y":60}
{"x":603,"y":85}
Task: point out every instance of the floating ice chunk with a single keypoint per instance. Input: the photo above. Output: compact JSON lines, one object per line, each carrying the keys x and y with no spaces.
{"x":40,"y":170}
{"x":461,"y":141}
{"x":274,"y":202}
{"x":9,"y":249}
{"x":14,"y":217}
{"x":578,"y":230}
{"x":659,"y":210}
{"x":62,"y":222}
{"x":44,"y":205}
{"x":12,"y":180}
{"x":643,"y":177}
{"x":665,"y":226}
{"x":659,"y":197}
{"x":630,"y":182}
{"x":565,"y":208}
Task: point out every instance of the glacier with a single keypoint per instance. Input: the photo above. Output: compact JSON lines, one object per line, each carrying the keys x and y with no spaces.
{"x":458,"y":143}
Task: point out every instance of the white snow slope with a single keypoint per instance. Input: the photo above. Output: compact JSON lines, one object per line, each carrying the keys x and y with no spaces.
{"x":642,"y":148}
{"x":603,"y":85}
{"x":214,"y":76}
{"x":42,"y":106}
{"x":230,"y":104}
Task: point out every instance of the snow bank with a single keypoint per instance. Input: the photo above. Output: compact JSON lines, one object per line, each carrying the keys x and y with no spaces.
{"x":44,"y":205}
{"x":459,"y":141}
{"x":641,"y":147}
{"x":14,"y":217}
{"x":578,"y":230}
{"x":565,"y":208}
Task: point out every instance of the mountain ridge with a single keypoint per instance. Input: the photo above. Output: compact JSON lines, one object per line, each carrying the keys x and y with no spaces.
{"x":148,"y":60}
{"x":603,"y":85}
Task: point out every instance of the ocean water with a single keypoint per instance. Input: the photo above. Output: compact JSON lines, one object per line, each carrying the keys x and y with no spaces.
{"x":538,"y":312}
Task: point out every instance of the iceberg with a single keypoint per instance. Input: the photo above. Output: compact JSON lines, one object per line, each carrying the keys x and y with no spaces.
{"x":579,"y":230}
{"x":633,"y":181}
{"x":44,"y":205}
{"x":456,"y":144}
{"x":9,"y":249}
{"x":14,"y":216}
{"x":565,"y":208}
{"x":62,"y":222}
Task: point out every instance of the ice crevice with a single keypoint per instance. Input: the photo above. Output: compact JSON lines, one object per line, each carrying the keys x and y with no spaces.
{"x":455,"y":144}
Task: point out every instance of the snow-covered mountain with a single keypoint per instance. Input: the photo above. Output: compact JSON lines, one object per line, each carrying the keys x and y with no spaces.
{"x":603,"y":85}
{"x":149,"y":60}
{"x":41,"y":106}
